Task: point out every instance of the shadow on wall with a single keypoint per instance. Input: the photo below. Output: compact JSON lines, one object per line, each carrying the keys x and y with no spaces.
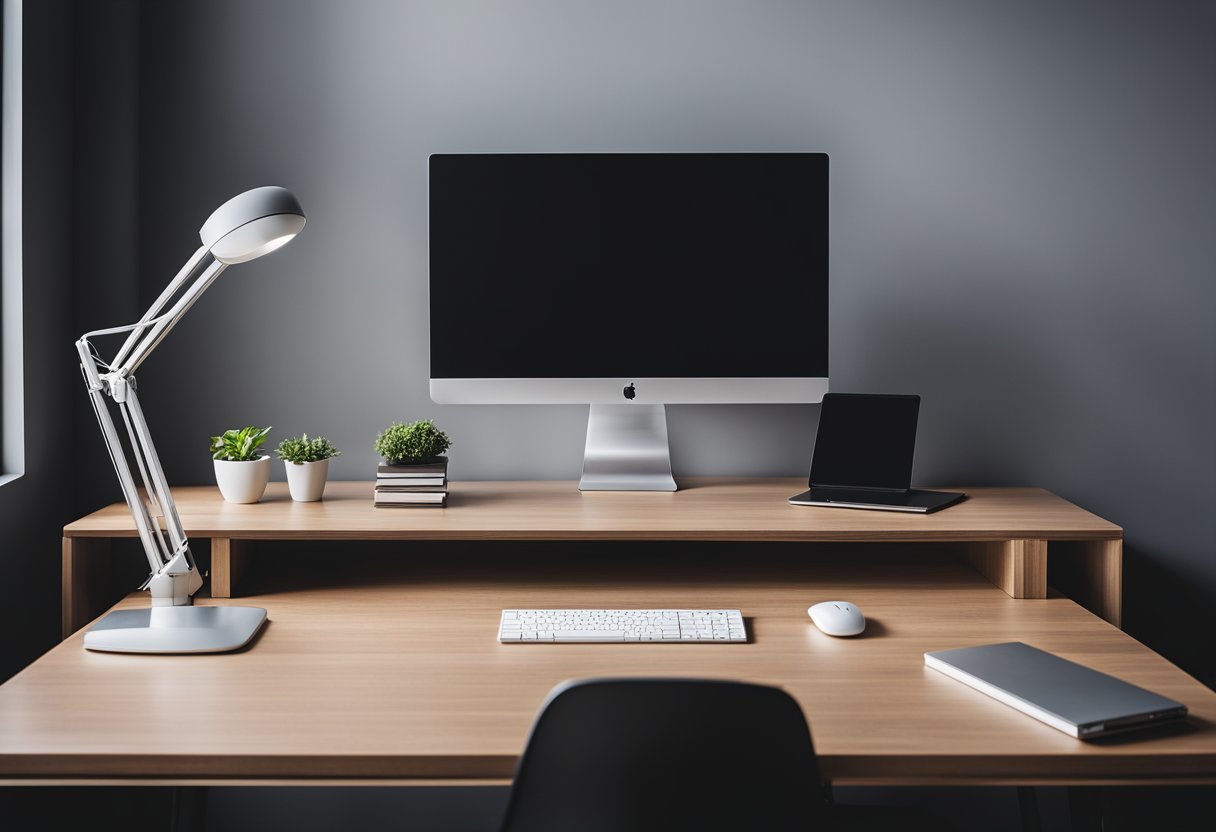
{"x":994,"y":403}
{"x":1168,"y":611}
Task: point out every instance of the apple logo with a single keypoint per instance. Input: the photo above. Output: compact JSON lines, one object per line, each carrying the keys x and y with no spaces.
{"x":630,"y":392}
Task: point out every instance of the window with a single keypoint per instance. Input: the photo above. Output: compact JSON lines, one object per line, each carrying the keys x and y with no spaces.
{"x":12,"y":404}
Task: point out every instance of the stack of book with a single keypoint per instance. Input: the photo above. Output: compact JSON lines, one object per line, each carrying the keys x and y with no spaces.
{"x":424,"y":484}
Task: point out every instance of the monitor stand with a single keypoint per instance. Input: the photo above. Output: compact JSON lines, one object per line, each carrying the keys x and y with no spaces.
{"x":627,"y":449}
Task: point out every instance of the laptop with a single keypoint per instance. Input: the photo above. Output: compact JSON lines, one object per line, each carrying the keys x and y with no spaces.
{"x":1077,"y":700}
{"x":863,"y":456}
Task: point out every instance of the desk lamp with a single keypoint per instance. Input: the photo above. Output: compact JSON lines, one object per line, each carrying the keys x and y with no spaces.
{"x":245,"y":227}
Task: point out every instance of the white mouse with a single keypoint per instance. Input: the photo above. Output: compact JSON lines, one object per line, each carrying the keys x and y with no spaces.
{"x":837,"y":618}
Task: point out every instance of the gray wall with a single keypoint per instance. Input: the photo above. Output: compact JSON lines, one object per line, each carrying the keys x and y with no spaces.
{"x":1022,"y":225}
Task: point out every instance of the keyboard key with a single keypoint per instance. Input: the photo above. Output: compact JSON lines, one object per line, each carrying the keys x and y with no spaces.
{"x":596,"y":635}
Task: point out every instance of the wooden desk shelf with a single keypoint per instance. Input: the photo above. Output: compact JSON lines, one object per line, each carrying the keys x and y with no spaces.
{"x":1007,"y":533}
{"x":388,"y":671}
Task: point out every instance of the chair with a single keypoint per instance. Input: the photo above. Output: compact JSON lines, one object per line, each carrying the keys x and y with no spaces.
{"x":666,"y":755}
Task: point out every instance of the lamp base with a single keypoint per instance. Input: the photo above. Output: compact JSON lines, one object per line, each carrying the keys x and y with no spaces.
{"x":175,"y":630}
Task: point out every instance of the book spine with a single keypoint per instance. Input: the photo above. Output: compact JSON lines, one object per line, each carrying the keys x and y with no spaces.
{"x":393,"y":501}
{"x":410,"y":502}
{"x":412,"y":470}
{"x":411,"y":489}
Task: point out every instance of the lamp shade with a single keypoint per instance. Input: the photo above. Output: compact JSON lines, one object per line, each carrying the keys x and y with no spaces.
{"x":252,"y":224}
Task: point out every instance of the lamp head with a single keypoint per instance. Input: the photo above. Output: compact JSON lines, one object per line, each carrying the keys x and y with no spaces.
{"x":252,"y":224}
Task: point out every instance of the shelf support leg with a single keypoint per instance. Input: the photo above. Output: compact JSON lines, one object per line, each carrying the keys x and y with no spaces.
{"x":85,"y":581}
{"x":1091,"y":573}
{"x":228,"y":560}
{"x":1019,"y":567}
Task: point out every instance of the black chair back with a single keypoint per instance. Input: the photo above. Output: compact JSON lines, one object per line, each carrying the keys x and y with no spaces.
{"x":636,"y":755}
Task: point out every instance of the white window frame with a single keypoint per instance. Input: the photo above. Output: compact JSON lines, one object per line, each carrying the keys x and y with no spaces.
{"x":12,"y":365}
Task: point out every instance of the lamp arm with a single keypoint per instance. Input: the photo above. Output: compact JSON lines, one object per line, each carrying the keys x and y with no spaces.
{"x":174,"y":575}
{"x":153,"y":470}
{"x":143,"y":523}
{"x":174,"y":285}
{"x":128,"y":360}
{"x":178,"y":578}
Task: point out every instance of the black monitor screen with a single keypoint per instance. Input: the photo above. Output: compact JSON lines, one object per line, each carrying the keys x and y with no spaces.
{"x":629,"y":265}
{"x":865,"y":441}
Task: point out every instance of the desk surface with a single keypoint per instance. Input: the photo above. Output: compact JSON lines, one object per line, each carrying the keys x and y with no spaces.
{"x":705,"y":508}
{"x":337,"y":688}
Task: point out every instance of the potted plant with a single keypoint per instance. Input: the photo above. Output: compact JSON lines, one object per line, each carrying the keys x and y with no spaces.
{"x":307,"y":463}
{"x":417,"y":442}
{"x":414,"y":471}
{"x":240,"y":471}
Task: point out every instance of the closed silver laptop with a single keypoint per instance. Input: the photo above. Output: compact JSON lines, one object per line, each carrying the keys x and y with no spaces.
{"x":1075,"y":699}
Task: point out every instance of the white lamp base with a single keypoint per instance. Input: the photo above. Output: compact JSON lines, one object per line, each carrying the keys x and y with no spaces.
{"x":175,"y":630}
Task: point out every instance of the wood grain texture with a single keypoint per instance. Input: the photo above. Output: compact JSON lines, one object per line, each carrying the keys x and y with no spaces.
{"x":84,"y":583}
{"x":396,"y":676}
{"x":1019,"y":567}
{"x":229,"y":558}
{"x":708,"y":508}
{"x":1091,"y":572}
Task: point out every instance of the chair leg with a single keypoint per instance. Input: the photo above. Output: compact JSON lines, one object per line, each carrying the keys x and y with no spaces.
{"x":1028,"y":808}
{"x":189,"y":809}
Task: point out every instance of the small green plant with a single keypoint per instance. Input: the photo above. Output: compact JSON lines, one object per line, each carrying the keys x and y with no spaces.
{"x":301,"y":449}
{"x":416,"y":442}
{"x":238,"y":445}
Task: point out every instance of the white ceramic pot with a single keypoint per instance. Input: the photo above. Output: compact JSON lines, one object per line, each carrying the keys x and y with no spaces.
{"x":306,"y":480}
{"x":242,"y":482}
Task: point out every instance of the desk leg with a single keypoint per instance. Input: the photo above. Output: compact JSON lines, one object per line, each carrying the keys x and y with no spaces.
{"x":1091,"y":573}
{"x":85,"y":582}
{"x":228,"y":559}
{"x":1019,"y":567}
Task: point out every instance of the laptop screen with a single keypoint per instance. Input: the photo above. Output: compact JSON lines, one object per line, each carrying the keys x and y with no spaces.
{"x":865,"y":441}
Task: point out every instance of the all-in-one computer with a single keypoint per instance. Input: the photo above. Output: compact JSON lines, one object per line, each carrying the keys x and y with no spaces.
{"x":628,"y":282}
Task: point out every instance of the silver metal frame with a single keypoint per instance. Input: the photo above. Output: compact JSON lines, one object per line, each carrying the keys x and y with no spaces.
{"x":612,"y":390}
{"x":627,"y":449}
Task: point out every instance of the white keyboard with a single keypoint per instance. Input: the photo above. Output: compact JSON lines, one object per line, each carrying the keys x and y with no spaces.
{"x":621,"y":625}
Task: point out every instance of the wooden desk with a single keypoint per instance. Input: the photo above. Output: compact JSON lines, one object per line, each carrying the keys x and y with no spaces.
{"x":395,"y":677}
{"x":1004,"y":532}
